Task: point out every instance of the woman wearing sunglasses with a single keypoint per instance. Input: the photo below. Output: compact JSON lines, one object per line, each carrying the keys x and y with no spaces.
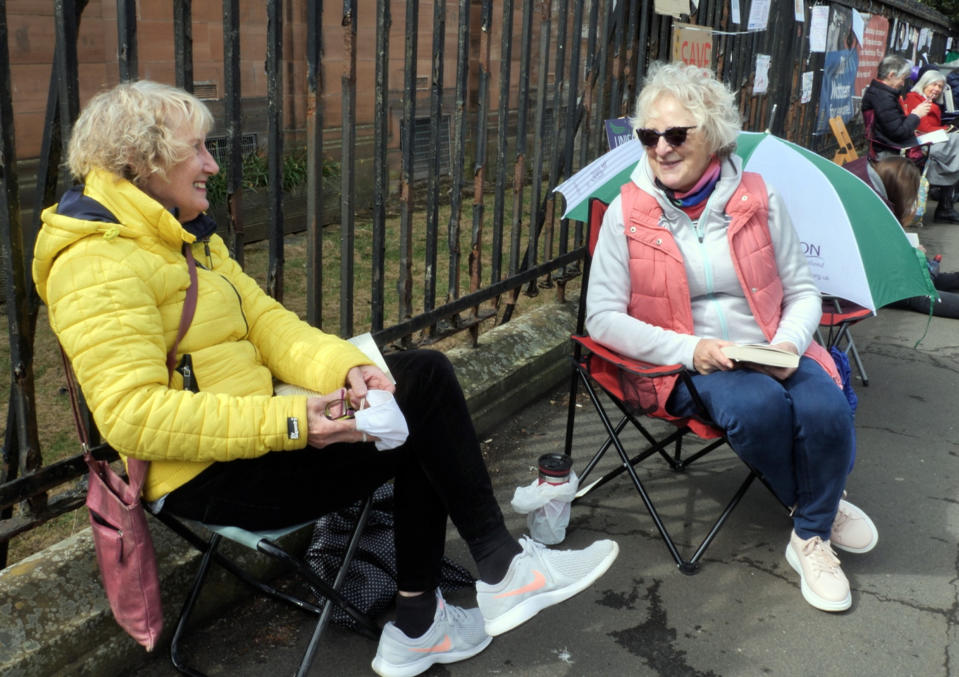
{"x":112,"y":262}
{"x":694,"y":255}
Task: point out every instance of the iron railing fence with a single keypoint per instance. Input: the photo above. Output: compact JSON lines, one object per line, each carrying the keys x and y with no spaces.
{"x":534,"y":81}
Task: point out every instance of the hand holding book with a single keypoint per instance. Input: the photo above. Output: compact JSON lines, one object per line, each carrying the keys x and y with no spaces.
{"x":766,"y":355}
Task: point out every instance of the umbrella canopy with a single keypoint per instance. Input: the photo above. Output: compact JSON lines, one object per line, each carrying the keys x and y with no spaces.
{"x":855,"y":247}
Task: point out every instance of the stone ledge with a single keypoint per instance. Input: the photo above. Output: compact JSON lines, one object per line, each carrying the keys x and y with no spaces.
{"x":56,"y":619}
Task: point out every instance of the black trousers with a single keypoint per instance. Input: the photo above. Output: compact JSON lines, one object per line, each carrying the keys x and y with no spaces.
{"x":948,"y":304}
{"x":438,"y":472}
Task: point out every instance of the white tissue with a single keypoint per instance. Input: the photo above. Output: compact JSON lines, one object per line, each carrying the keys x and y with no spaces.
{"x":382,"y":419}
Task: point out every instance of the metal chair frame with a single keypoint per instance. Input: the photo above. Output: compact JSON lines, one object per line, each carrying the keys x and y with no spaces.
{"x":675,"y":460}
{"x":585,"y":350}
{"x":838,"y":316}
{"x":266,"y":543}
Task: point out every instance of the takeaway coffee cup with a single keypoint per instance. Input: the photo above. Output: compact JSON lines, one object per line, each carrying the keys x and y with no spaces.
{"x":554,"y":468}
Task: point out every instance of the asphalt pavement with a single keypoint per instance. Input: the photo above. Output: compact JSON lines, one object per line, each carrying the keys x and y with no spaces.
{"x":742,"y":613}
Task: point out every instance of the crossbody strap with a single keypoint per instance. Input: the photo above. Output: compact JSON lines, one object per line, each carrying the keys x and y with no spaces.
{"x":189,"y":308}
{"x":136,"y":468}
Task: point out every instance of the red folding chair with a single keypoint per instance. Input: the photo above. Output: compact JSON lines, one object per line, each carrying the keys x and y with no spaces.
{"x":917,"y":154}
{"x":601,"y":370}
{"x":838,"y":316}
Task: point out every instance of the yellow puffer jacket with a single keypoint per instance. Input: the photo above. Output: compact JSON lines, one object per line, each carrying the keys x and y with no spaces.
{"x":115,"y":293}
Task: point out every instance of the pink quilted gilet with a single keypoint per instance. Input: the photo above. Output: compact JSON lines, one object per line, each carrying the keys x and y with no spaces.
{"x":659,"y":290}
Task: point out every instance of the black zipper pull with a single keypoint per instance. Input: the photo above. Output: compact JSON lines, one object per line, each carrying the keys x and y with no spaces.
{"x":186,"y":371}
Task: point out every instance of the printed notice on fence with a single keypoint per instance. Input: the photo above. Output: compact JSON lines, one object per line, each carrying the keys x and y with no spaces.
{"x":758,"y":15}
{"x":807,"y":79}
{"x":693,"y":44}
{"x":761,"y":81}
{"x":872,"y":48}
{"x":818,"y":18}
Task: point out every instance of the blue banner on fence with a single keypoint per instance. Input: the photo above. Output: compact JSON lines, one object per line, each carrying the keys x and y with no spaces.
{"x":618,"y":130}
{"x":839,"y":69}
{"x":838,"y":79}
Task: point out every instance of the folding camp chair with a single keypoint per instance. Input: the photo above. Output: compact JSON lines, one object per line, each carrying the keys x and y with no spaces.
{"x":599,"y":369}
{"x":877,"y":149}
{"x":838,"y":316}
{"x":267,"y":543}
{"x":846,"y":151}
{"x":948,"y":112}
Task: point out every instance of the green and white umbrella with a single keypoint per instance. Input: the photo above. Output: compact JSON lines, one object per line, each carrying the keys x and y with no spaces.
{"x":855,"y":247}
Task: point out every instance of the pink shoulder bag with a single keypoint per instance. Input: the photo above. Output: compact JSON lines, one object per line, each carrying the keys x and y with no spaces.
{"x":121,"y":535}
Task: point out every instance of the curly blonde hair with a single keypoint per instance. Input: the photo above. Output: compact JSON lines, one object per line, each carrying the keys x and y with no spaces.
{"x":711,"y":104}
{"x":131,"y":130}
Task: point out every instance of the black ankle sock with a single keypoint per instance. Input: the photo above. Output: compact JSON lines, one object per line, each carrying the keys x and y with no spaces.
{"x":414,"y":615}
{"x":495,"y":563}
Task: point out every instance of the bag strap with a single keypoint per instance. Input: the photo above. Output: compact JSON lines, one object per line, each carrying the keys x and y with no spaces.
{"x":136,"y":468}
{"x":189,"y":308}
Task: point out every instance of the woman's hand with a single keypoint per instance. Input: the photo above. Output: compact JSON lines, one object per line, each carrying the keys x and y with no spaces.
{"x":709,"y":356}
{"x":323,"y":422}
{"x":922,"y":109}
{"x":364,"y":378}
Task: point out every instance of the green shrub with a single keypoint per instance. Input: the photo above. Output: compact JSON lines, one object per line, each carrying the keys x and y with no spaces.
{"x":256,"y":174}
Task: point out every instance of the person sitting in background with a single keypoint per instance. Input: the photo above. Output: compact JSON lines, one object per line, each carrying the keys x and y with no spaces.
{"x":112,"y":264}
{"x":929,"y":88}
{"x":896,"y":181}
{"x":893,"y":126}
{"x":693,"y":255}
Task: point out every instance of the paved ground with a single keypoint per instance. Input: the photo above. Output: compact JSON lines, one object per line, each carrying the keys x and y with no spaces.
{"x":742,"y":614}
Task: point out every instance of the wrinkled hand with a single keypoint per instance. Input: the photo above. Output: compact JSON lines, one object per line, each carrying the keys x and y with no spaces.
{"x":366,"y":377}
{"x":709,"y":356}
{"x":321,"y":430}
{"x":922,"y":109}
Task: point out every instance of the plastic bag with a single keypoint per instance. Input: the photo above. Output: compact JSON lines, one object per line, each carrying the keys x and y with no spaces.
{"x":922,"y":196}
{"x":547,"y":508}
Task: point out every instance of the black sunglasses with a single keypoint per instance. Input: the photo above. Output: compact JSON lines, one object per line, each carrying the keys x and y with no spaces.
{"x":674,"y":136}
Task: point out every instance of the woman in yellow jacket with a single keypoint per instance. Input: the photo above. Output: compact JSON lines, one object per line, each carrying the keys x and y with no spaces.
{"x":110,"y":264}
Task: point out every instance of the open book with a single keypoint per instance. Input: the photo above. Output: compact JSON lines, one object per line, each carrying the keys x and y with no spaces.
{"x":762,"y":354}
{"x":937,"y":136}
{"x":365,"y":343}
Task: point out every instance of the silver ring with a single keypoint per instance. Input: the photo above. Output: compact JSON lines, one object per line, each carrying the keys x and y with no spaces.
{"x":364,"y":437}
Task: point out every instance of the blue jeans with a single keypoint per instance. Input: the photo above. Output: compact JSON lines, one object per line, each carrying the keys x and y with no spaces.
{"x":797,"y":433}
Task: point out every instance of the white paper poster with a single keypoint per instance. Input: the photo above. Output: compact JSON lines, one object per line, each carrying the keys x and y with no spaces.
{"x":758,"y":15}
{"x":734,"y":11}
{"x":858,"y":26}
{"x":761,"y":81}
{"x":903,"y":36}
{"x":806,"y":96}
{"x":799,"y":10}
{"x":818,"y":19}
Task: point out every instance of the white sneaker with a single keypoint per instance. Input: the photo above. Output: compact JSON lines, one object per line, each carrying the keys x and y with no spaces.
{"x":852,"y":530}
{"x":822,"y":581}
{"x":456,"y":634}
{"x":538,"y":578}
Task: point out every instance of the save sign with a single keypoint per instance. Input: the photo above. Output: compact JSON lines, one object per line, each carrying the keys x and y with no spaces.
{"x":693,"y":44}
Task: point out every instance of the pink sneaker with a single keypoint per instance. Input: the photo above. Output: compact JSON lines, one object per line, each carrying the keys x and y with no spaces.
{"x":852,"y":530}
{"x":822,"y":582}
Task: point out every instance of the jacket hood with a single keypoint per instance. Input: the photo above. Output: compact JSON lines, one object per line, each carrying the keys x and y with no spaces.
{"x":106,"y":206}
